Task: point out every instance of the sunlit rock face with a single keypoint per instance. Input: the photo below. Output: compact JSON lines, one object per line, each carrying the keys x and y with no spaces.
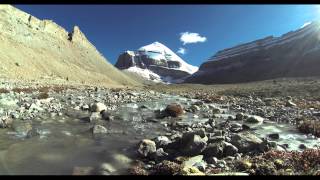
{"x":294,"y":54}
{"x":34,"y":49}
{"x":158,"y":59}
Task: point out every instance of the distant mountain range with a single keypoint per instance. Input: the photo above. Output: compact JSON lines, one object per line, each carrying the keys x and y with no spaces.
{"x":294,"y":54}
{"x":156,"y":62}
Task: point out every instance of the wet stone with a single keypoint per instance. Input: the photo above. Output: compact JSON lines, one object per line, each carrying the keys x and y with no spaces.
{"x":98,"y":129}
{"x":146,"y":147}
{"x":274,"y":136}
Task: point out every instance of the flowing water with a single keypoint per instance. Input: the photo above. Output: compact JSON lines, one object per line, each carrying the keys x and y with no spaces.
{"x":65,"y":142}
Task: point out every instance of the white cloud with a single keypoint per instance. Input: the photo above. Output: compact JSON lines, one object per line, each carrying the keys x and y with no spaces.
{"x":188,"y":38}
{"x":182,"y":50}
{"x":305,"y":24}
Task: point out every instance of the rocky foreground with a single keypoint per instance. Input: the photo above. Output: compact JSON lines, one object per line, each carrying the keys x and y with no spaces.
{"x":176,"y":133}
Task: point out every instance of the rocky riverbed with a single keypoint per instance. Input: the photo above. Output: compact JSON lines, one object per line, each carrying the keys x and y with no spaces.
{"x":93,"y":130}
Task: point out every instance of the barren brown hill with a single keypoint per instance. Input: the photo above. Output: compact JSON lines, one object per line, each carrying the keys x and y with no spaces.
{"x":34,"y":49}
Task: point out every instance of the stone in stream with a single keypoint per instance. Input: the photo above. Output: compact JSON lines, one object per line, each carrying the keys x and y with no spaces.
{"x":6,"y":122}
{"x":211,"y":122}
{"x":98,"y":129}
{"x":235,"y":127}
{"x":162,"y":141}
{"x":239,"y":116}
{"x":174,"y":110}
{"x":21,"y":127}
{"x":254,"y":119}
{"x":302,"y":146}
{"x":289,"y":103}
{"x":94,"y":117}
{"x":98,"y":107}
{"x":195,"y":108}
{"x":79,"y":171}
{"x":106,"y":116}
{"x":147,"y":148}
{"x":85,"y":107}
{"x":274,"y":136}
{"x":106,"y":169}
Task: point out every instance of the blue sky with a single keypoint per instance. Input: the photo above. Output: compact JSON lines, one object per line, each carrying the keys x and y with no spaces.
{"x":116,"y":28}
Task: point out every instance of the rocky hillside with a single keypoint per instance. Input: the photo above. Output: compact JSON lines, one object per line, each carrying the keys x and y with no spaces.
{"x":294,"y":54}
{"x":155,"y":62}
{"x":34,"y":49}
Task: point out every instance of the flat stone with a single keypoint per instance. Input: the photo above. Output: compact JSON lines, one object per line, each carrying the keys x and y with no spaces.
{"x":98,"y":129}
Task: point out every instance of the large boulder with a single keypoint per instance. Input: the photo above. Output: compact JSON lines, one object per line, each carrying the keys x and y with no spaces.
{"x":246,"y":142}
{"x":192,"y":144}
{"x":174,"y":110}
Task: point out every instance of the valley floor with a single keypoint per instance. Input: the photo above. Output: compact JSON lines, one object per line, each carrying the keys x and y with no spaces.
{"x":266,"y":127}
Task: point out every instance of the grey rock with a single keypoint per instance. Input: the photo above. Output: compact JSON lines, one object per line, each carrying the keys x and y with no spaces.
{"x":193,"y":160}
{"x":246,"y":142}
{"x":98,"y":129}
{"x":98,"y":107}
{"x":195,"y":108}
{"x":94,"y":117}
{"x":274,"y":136}
{"x":229,"y":149}
{"x":21,"y":127}
{"x":162,"y":141}
{"x":254,"y":119}
{"x":107,"y":169}
{"x":302,"y":146}
{"x":289,"y":103}
{"x":235,"y":127}
{"x":212,"y":160}
{"x":85,"y":107}
{"x":239,"y":116}
{"x":221,"y":164}
{"x":147,"y":148}
{"x":106,"y":116}
{"x":214,"y":150}
{"x":192,"y":144}
{"x":160,"y":154}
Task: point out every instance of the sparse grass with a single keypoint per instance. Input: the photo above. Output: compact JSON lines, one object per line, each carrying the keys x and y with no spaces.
{"x":283,"y":163}
{"x":307,"y":88}
{"x":166,"y":168}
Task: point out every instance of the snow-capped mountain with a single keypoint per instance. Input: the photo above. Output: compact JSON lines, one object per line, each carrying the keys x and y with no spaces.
{"x":294,"y":54}
{"x":156,"y":62}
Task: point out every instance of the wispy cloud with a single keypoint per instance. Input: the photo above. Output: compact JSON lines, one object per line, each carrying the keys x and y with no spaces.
{"x":305,"y":24}
{"x":182,"y":51}
{"x":188,"y":38}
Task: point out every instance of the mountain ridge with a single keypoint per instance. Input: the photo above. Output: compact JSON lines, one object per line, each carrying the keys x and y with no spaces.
{"x":293,"y":54}
{"x":35,"y":49}
{"x":158,"y":61}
